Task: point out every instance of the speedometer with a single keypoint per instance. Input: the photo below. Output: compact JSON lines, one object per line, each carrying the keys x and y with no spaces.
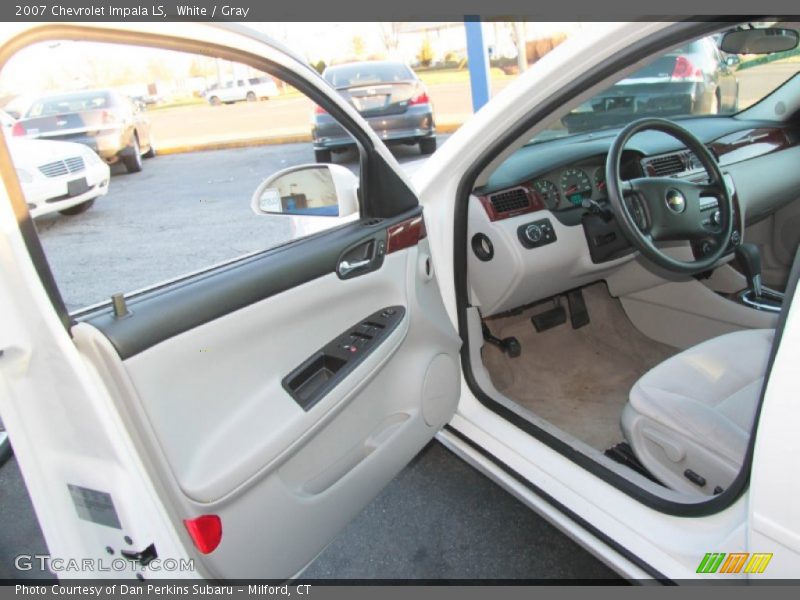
{"x":548,"y":191}
{"x":576,"y":186}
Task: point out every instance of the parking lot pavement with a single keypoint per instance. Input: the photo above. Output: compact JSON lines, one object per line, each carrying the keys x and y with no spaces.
{"x":19,"y":530}
{"x":282,"y":116}
{"x":442,"y":519}
{"x":438,"y":519}
{"x":182,"y":213}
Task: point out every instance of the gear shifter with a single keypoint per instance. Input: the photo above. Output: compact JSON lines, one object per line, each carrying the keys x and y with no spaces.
{"x":749,"y":259}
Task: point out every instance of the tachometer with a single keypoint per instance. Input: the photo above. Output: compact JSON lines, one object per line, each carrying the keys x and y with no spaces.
{"x":576,"y":186}
{"x":548,"y":191}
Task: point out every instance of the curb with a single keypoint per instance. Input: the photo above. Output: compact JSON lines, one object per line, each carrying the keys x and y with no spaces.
{"x":274,"y":140}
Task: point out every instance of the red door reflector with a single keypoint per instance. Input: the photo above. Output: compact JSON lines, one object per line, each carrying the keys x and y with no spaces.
{"x":205,"y":531}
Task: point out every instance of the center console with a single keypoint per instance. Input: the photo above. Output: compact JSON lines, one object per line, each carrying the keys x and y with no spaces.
{"x":755,"y":295}
{"x":712,"y":218}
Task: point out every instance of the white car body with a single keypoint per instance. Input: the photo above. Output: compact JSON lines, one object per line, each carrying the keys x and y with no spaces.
{"x":46,"y":169}
{"x":100,"y":449}
{"x":257,"y":88}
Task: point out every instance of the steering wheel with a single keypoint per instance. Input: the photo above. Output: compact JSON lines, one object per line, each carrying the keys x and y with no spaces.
{"x":661,"y":209}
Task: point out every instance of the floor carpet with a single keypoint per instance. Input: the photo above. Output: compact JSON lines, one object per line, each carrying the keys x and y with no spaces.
{"x":577,"y":379}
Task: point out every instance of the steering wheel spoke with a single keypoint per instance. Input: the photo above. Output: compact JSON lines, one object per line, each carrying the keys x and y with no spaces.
{"x":627,"y":187}
{"x":708,"y":189}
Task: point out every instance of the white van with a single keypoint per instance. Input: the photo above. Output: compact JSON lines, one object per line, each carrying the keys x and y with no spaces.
{"x":251,"y":90}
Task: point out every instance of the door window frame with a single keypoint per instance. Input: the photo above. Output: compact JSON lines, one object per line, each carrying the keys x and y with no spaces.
{"x":382,"y":193}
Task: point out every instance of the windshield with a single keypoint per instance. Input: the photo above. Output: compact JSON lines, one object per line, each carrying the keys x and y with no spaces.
{"x":367,"y":73}
{"x":694,"y":80}
{"x":54,"y":105}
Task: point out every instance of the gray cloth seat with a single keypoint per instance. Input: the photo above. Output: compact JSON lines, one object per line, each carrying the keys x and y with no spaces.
{"x":695,"y":411}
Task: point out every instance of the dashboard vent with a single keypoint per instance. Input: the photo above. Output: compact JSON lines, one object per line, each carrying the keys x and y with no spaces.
{"x":510,"y":200}
{"x":663,"y":166}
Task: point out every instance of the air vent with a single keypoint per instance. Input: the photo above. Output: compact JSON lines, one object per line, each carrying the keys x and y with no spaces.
{"x":663,"y":166}
{"x":510,"y":200}
{"x":671,"y":164}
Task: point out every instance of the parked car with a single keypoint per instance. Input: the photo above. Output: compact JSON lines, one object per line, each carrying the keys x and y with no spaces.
{"x":147,"y":100}
{"x":58,"y":176}
{"x":104,"y":120}
{"x":696,"y":78}
{"x":240,"y":90}
{"x":389,"y":95}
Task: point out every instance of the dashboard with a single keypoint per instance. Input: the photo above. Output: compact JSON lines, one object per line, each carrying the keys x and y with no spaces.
{"x":541,"y":224}
{"x":565,"y":188}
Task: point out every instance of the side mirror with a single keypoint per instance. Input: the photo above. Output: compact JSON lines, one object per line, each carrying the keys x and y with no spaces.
{"x":759,"y":41}
{"x":308,"y":190}
{"x":732,"y":60}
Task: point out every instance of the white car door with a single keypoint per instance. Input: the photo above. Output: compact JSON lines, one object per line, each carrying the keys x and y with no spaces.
{"x":239,"y":417}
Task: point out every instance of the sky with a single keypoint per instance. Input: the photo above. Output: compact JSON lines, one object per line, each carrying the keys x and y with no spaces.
{"x":44,"y":66}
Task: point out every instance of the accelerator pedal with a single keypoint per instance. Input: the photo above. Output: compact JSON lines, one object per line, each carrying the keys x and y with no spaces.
{"x":578,"y":314}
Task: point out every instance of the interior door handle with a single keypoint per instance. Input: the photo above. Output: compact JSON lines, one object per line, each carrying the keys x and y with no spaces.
{"x":346,"y":267}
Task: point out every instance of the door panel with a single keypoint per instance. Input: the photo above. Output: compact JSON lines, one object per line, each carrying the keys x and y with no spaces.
{"x":173,"y":309}
{"x":225,"y":433}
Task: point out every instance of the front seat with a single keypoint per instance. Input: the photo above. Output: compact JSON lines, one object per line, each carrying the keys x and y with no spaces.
{"x":689,"y":419}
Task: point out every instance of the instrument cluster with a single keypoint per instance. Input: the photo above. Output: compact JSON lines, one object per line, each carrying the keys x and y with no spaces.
{"x":568,"y":187}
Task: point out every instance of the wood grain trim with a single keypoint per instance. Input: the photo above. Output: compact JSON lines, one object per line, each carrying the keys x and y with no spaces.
{"x":751,"y":143}
{"x":406,"y":234}
{"x":535,"y":203}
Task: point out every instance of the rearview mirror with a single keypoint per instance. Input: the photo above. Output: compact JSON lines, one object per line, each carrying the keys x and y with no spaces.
{"x":759,"y":41}
{"x":308,"y":190}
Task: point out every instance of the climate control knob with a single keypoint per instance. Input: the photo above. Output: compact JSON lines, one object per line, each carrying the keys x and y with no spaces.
{"x":534,"y":233}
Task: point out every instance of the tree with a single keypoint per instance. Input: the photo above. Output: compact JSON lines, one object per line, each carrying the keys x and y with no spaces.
{"x":158,"y":70}
{"x":425,"y":56}
{"x":516,"y":31}
{"x":390,"y":35}
{"x":200,"y":67}
{"x":358,"y":46}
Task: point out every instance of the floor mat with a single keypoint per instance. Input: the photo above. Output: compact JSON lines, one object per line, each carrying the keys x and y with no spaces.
{"x":577,"y":379}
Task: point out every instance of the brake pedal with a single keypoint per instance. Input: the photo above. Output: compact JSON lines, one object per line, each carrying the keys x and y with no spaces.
{"x":550,"y":318}
{"x":578,"y":314}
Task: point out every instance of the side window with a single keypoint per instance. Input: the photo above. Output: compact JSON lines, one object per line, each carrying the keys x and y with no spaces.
{"x":123,"y":204}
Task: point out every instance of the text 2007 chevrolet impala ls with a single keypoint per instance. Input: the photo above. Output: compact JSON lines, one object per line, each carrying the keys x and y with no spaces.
{"x":600,"y":319}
